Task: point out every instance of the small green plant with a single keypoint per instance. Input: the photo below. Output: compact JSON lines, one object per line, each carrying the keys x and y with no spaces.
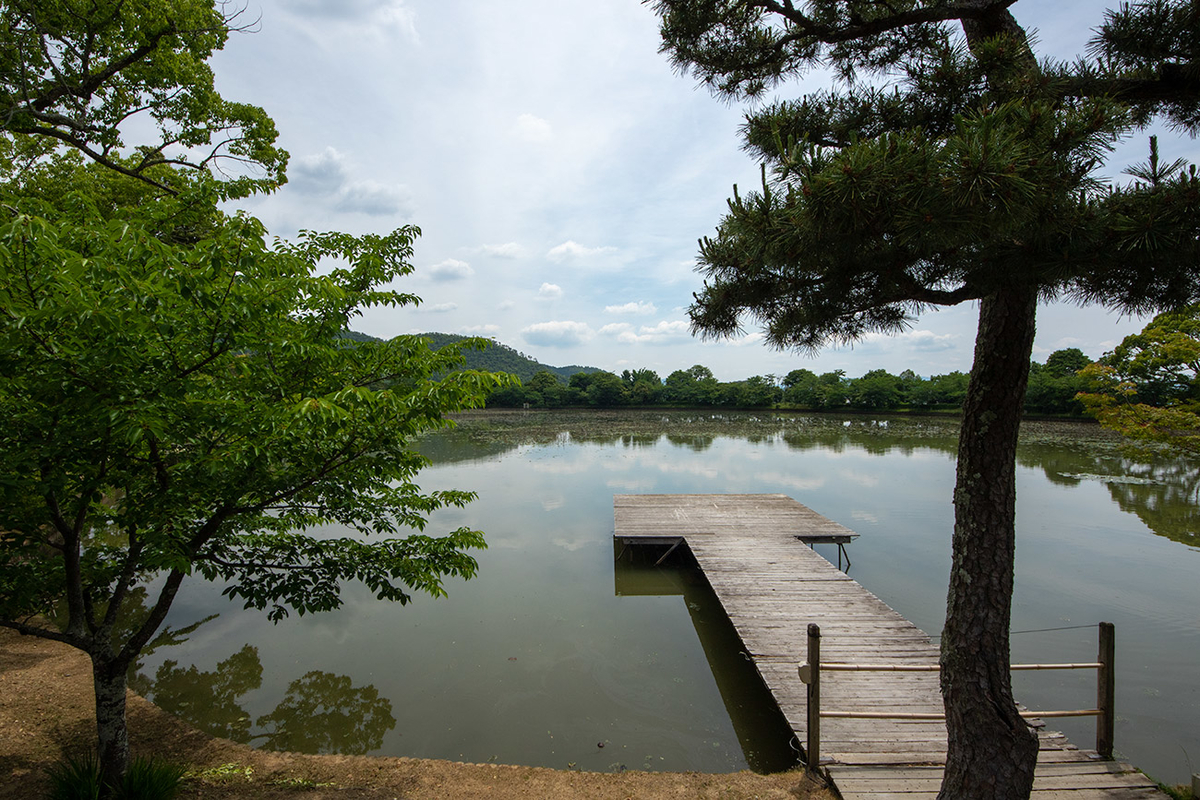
{"x":225,"y":773}
{"x":151,"y":779}
{"x":298,"y":783}
{"x":1180,"y":792}
{"x":77,"y":777}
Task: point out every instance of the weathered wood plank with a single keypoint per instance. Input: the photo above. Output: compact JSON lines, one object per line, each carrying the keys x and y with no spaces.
{"x":771,"y":585}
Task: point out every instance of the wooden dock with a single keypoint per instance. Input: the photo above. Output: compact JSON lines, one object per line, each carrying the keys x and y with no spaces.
{"x":751,"y":550}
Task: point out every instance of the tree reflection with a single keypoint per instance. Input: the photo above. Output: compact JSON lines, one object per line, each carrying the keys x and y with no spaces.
{"x":1163,"y":492}
{"x":321,"y":712}
{"x":1160,"y":491}
{"x":324,"y":713}
{"x":1166,"y":499}
{"x":207,"y":700}
{"x":696,"y":442}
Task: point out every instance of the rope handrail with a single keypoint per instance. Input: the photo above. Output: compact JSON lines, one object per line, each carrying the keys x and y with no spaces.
{"x":921,"y":716}
{"x":810,"y":673}
{"x":846,"y":667}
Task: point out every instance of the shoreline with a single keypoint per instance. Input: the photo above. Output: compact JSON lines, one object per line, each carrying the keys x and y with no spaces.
{"x":46,"y":708}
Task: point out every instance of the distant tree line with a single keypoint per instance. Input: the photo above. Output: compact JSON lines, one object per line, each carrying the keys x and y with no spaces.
{"x":1052,"y":389}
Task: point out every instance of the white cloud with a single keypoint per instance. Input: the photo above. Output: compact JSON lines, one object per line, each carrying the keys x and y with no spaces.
{"x":321,"y":174}
{"x":665,"y":331}
{"x":533,"y":129}
{"x":440,"y":308}
{"x":558,"y":333}
{"x":750,"y":339}
{"x":480,"y":330}
{"x":326,"y":174}
{"x":506,"y":250}
{"x":868,"y":481}
{"x":373,"y":199}
{"x":922,"y":341}
{"x":790,"y":481}
{"x":1061,"y":344}
{"x":451,"y":270}
{"x":614,"y":328}
{"x":572,"y":249}
{"x":550,"y":291}
{"x":639,"y":308}
{"x":505,"y":305}
{"x":370,"y":13}
{"x":928,"y":341}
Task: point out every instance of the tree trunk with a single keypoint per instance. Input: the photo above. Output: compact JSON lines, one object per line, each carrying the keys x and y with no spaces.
{"x":992,"y":751}
{"x":109,"y":681}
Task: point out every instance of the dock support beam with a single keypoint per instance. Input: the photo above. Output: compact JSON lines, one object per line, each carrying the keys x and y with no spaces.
{"x":1106,"y":682}
{"x":812,"y":748}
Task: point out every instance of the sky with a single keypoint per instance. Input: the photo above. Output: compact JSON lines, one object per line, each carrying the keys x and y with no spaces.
{"x":561,"y":172}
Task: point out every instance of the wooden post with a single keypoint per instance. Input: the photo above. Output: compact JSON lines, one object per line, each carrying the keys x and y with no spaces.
{"x":813,"y":749}
{"x":1106,"y":682}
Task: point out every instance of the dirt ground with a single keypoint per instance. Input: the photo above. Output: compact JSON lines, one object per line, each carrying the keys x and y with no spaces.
{"x":46,"y":709}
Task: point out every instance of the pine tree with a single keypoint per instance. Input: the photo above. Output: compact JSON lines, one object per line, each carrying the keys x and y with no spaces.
{"x":949,"y":165}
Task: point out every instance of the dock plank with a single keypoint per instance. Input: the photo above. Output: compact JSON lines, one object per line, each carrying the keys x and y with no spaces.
{"x":772,"y":585}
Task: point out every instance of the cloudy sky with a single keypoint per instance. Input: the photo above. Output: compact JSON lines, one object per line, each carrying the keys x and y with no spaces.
{"x":561,"y":173}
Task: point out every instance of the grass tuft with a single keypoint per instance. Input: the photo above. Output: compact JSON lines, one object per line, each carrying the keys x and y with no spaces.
{"x":150,"y":779}
{"x":77,"y":777}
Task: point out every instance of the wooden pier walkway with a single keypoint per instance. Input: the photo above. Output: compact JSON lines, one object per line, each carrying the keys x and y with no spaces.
{"x":772,"y":586}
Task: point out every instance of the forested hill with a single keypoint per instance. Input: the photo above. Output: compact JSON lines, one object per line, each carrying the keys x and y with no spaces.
{"x":497,"y":358}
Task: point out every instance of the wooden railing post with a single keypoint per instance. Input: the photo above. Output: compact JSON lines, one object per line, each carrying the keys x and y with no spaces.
{"x":1106,"y":690}
{"x":813,"y":749}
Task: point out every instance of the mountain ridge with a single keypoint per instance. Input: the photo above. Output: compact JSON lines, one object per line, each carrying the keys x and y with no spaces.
{"x":498,"y":357}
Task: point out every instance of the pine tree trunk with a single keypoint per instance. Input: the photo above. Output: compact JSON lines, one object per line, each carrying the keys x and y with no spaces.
{"x":109,"y":681}
{"x":992,"y":752}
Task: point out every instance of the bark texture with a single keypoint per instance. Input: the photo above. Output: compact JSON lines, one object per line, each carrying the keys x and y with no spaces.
{"x":110,"y":683}
{"x":992,"y":752}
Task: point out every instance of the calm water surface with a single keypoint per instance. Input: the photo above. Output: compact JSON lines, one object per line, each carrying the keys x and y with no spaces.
{"x":556,"y":656}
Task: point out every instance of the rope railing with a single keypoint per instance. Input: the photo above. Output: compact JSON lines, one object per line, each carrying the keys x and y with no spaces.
{"x":834,"y":666}
{"x":810,"y":672}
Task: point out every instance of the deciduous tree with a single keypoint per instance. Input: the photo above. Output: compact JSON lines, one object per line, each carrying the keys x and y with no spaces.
{"x":1148,"y":388}
{"x":77,"y":72}
{"x":178,"y":409}
{"x":962,"y":170}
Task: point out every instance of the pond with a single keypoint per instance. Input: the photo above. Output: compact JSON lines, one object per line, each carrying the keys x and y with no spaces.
{"x":555,"y":655}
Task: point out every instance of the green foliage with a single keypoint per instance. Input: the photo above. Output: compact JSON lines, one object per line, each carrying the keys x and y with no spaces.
{"x":961,"y":170}
{"x":75,"y":777}
{"x":1065,"y":363}
{"x":151,"y":779}
{"x":78,"y":778}
{"x":76,"y":71}
{"x":1148,"y":388}
{"x":644,"y":387}
{"x":1053,"y":386}
{"x":877,"y":390}
{"x":176,"y":409}
{"x":497,"y":357}
{"x":692,"y":387}
{"x":604,"y":390}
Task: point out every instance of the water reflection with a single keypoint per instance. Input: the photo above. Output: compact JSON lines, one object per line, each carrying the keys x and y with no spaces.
{"x":762,"y":731}
{"x":1163,"y":492}
{"x":539,"y":661}
{"x":320,"y":712}
{"x":208,"y":699}
{"x":326,"y":713}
